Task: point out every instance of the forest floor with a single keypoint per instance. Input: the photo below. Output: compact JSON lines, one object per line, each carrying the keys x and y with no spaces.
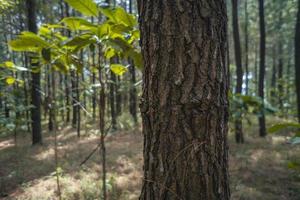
{"x":258,"y":169}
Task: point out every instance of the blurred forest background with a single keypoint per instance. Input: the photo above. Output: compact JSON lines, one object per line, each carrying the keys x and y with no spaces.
{"x":70,"y":82}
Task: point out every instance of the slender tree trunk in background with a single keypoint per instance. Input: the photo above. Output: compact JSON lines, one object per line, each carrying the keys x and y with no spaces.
{"x":297,"y":60}
{"x":274,"y":77}
{"x":94,"y":90}
{"x":239,"y":137}
{"x":26,"y":86}
{"x":49,"y":100}
{"x":280,"y":76}
{"x":6,"y":108}
{"x":288,"y":78}
{"x":67,"y":79}
{"x":94,"y":103}
{"x":184,"y":105}
{"x":280,"y":59}
{"x":67,"y":90}
{"x":74,"y":102}
{"x":35,"y":90}
{"x":256,"y":69}
{"x":246,"y":48}
{"x":118,"y":96}
{"x":78,"y":105}
{"x":132,"y":92}
{"x":1,"y":101}
{"x":262,"y":56}
{"x":73,"y":81}
{"x":62,"y":102}
{"x":78,"y":90}
{"x":112,"y":100}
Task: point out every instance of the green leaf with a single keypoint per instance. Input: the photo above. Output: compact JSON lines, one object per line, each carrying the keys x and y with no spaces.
{"x":137,"y":58}
{"x":79,"y":42}
{"x":28,"y":41}
{"x":125,"y":18}
{"x":77,"y":23}
{"x":109,"y":13}
{"x":10,"y":80}
{"x":280,"y":126}
{"x":86,"y":7}
{"x":44,"y":31}
{"x":61,"y":64}
{"x":109,"y":53}
{"x":118,"y":69}
{"x":119,"y":16}
{"x":9,"y":64}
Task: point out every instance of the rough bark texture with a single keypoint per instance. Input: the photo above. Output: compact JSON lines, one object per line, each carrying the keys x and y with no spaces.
{"x":297,"y":59}
{"x":184,"y":105}
{"x":239,"y":137}
{"x":262,"y":54}
{"x":36,"y":82}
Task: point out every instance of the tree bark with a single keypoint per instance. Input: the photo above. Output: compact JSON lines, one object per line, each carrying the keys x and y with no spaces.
{"x":239,"y":137}
{"x":246,"y":48}
{"x":274,"y":77}
{"x":112,"y":100}
{"x":280,"y":58}
{"x":74,"y":97}
{"x":132,"y":91}
{"x":36,"y":82}
{"x":184,"y":105}
{"x":118,"y":96}
{"x":262,"y":55}
{"x":297,"y":60}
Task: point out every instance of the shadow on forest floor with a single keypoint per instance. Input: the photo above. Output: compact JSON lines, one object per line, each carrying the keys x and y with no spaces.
{"x":258,"y":168}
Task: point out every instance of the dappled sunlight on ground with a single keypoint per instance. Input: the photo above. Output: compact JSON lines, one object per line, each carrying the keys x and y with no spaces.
{"x":258,"y":168}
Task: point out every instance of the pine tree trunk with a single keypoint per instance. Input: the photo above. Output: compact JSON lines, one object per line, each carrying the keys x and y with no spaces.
{"x":36,"y":82}
{"x":239,"y":137}
{"x":274,"y":77}
{"x":132,"y":92}
{"x":246,"y":48}
{"x":184,"y":105}
{"x":74,"y":102}
{"x":49,"y":99}
{"x":262,"y":55}
{"x":78,"y":114}
{"x":112,"y":100}
{"x":280,"y":59}
{"x":297,"y":60}
{"x":67,"y":98}
{"x":118,"y":96}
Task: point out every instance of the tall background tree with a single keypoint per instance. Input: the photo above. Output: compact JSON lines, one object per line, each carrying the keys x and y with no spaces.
{"x":35,"y":77}
{"x":297,"y":60}
{"x":262,"y":57}
{"x":239,"y":69}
